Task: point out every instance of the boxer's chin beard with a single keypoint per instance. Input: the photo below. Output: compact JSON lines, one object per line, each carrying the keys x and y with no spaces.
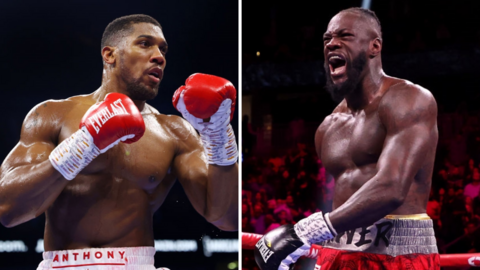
{"x":354,"y":70}
{"x":136,"y":88}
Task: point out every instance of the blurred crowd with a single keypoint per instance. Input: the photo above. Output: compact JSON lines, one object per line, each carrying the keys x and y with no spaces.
{"x":283,"y":189}
{"x":408,"y":27}
{"x":454,"y":203}
{"x":291,"y":184}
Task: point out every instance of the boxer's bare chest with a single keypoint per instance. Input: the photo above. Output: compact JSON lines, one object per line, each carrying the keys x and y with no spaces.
{"x":351,"y":142}
{"x":144,"y":163}
{"x":121,"y":187}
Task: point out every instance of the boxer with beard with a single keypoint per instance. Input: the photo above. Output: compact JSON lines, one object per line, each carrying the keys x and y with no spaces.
{"x":354,"y":71}
{"x":379,"y":145}
{"x":99,"y":165}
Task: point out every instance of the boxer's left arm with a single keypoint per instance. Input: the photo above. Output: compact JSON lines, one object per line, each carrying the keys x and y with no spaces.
{"x":206,"y":164}
{"x":212,"y":189}
{"x":410,"y":119}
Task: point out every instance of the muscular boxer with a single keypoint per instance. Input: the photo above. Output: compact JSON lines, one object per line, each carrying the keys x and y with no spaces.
{"x":99,"y":165}
{"x":379,"y":145}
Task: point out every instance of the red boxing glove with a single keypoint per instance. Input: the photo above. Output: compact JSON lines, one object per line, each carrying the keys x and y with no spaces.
{"x":210,"y":97}
{"x":203,"y":95}
{"x":115,"y":119}
{"x":103,"y":126}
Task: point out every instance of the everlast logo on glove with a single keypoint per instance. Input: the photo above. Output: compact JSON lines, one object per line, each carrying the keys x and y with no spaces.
{"x":104,"y":115}
{"x":264,"y":250}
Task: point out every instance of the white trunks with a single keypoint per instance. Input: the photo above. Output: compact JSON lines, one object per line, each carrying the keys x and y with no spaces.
{"x":132,"y":258}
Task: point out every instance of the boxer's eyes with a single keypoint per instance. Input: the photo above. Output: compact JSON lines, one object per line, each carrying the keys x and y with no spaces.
{"x":164,"y":50}
{"x":144,"y":43}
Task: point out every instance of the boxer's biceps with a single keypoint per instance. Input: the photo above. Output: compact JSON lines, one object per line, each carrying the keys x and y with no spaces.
{"x":192,"y":173}
{"x":21,"y":174}
{"x":38,"y":152}
{"x":210,"y":189}
{"x":39,"y":131}
{"x":44,"y":122}
{"x":190,"y":160}
{"x":23,"y":154}
{"x":404,"y":153}
{"x":23,"y":161}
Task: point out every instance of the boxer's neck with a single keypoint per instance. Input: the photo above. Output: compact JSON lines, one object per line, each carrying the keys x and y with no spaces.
{"x":111,"y":84}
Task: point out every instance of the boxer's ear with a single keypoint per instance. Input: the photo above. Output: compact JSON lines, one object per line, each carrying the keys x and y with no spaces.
{"x":108,"y":54}
{"x":375,"y":47}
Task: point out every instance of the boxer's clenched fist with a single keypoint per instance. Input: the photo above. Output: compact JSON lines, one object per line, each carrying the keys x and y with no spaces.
{"x":113,"y":120}
{"x":207,"y":102}
{"x":206,"y":97}
{"x":103,"y":126}
{"x":281,"y":247}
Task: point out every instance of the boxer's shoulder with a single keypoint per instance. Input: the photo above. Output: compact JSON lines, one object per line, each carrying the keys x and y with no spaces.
{"x":46,"y":119}
{"x":405,"y":100}
{"x":51,"y":106}
{"x":63,"y":107}
{"x":406,"y":88}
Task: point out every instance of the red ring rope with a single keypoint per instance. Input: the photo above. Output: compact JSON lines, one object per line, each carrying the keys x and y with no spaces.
{"x":469,"y":259}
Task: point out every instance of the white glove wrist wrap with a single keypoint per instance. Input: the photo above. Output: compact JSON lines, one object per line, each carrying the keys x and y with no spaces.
{"x":74,"y":153}
{"x":220,"y":146}
{"x":314,"y":229}
{"x":217,"y":135}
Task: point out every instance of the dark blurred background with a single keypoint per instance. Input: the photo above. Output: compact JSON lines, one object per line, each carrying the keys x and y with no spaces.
{"x":51,"y":50}
{"x":435,"y":44}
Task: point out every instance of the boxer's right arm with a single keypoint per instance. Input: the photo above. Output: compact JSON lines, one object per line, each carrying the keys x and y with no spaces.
{"x":28,"y":182}
{"x":34,"y":173}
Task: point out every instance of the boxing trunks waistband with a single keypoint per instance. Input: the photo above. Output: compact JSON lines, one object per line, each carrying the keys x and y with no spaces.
{"x":393,"y":235}
{"x":131,"y":258}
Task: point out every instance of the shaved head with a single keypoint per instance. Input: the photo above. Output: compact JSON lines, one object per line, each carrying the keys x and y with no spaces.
{"x":120,"y":27}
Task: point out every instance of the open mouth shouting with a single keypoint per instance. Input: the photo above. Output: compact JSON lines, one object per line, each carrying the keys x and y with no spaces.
{"x":337,"y":64}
